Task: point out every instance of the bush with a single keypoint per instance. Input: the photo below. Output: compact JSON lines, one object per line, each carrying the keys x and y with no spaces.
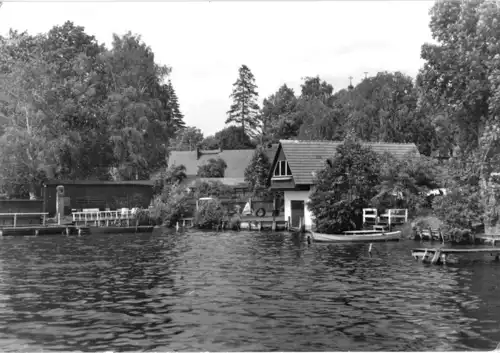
{"x":170,"y":206}
{"x":460,"y":208}
{"x":209,"y":214}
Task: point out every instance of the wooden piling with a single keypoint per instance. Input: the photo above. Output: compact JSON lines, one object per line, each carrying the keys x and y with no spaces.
{"x":259,"y":225}
{"x":273,"y":226}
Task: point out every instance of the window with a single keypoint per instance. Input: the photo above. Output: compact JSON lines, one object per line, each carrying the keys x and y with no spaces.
{"x":282,"y":169}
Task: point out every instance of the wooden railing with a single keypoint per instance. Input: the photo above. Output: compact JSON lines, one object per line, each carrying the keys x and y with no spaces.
{"x":16,"y":215}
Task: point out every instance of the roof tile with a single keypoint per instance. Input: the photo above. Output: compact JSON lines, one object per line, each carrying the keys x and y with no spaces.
{"x":306,"y":157}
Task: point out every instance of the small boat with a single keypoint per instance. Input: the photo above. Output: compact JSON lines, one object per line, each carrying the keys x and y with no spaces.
{"x":357,"y":238}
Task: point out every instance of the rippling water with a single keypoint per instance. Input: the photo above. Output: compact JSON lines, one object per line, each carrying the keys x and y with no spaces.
{"x":238,"y":292}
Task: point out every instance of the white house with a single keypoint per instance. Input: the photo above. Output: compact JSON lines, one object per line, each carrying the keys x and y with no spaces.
{"x":296,"y":162}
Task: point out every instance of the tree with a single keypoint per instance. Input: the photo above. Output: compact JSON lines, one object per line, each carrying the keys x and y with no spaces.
{"x":244,"y":110}
{"x":210,"y":143}
{"x":344,"y":187}
{"x":233,"y":138}
{"x":257,"y":171}
{"x":279,"y":120}
{"x":460,"y":80}
{"x":187,"y":139}
{"x":213,"y":168}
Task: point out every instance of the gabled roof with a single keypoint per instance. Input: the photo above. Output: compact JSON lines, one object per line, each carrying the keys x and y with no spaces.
{"x":236,"y":160}
{"x":306,"y":157}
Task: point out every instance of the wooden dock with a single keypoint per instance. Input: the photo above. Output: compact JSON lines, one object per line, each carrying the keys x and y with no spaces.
{"x":439,"y":255}
{"x":35,"y":230}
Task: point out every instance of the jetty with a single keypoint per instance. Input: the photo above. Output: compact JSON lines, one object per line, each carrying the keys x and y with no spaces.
{"x":439,"y":255}
{"x":26,"y":224}
{"x":117,"y":221}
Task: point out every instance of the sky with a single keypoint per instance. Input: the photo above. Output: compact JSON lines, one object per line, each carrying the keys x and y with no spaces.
{"x":281,"y":42}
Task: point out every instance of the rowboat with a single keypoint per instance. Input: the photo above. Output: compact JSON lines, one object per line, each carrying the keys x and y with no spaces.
{"x":359,"y":238}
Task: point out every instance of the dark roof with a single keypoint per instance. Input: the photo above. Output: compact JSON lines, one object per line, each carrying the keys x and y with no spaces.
{"x":236,"y":160}
{"x":306,"y":157}
{"x":99,"y":182}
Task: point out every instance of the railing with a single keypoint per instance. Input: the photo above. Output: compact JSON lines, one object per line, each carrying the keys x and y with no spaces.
{"x":93,"y":215}
{"x":395,"y":214}
{"x":15,"y":216}
{"x":370,"y":214}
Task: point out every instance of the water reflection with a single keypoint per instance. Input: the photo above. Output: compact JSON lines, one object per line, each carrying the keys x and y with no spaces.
{"x":238,"y":291}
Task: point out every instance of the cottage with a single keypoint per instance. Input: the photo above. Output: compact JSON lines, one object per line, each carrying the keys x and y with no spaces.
{"x":294,"y":166}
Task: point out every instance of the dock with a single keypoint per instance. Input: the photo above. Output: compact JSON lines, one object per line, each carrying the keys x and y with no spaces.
{"x":439,"y":255}
{"x":246,"y":223}
{"x":34,"y":224}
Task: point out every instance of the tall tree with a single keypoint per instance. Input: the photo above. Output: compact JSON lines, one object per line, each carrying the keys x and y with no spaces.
{"x":257,"y":171}
{"x":233,"y":138}
{"x":244,"y":110}
{"x":278,"y":115}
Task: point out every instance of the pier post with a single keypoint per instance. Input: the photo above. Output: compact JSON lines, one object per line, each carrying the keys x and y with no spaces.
{"x":259,"y":226}
{"x":288,"y":224}
{"x":36,"y":232}
{"x":273,"y":226}
{"x":44,"y":219}
{"x":15,"y":220}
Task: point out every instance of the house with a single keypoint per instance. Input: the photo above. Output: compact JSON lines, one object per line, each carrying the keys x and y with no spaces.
{"x":236,"y":160}
{"x":294,"y":166}
{"x":98,"y":194}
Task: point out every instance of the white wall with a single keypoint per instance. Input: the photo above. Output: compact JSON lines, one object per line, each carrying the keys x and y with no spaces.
{"x":298,"y":196}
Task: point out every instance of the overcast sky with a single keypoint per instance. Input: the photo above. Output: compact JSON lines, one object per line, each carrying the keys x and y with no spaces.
{"x":206,"y":42}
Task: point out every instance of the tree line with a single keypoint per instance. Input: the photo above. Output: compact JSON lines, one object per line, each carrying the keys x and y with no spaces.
{"x":73,"y":109}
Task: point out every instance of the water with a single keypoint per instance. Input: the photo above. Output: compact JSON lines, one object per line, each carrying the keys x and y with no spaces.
{"x":239,"y":292}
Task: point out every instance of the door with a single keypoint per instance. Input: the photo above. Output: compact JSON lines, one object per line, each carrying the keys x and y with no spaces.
{"x":297,"y":208}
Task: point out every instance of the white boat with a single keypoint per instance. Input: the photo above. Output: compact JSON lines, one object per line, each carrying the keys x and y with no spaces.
{"x":347,"y":238}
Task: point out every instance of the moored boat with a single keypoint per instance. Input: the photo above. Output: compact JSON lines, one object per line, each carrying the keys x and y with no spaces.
{"x":356,"y":238}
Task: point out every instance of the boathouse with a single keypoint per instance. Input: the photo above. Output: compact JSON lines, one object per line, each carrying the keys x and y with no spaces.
{"x":294,"y":166}
{"x":98,"y":194}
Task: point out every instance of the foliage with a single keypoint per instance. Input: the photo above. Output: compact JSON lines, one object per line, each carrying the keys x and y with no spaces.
{"x":344,"y":187}
{"x":209,"y":214}
{"x":170,"y":206}
{"x":278,"y":115}
{"x":210,"y":143}
{"x":459,"y":75}
{"x":459,"y":208}
{"x":233,"y":138}
{"x":77,"y":110}
{"x":404,"y":182}
{"x":257,"y":171}
{"x":175,"y":174}
{"x":244,"y":110}
{"x":213,"y":168}
{"x":211,"y":189}
{"x":187,"y":139}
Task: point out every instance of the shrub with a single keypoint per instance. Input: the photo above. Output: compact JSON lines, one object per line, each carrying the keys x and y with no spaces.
{"x":170,"y":206}
{"x":460,"y":208}
{"x":213,"y":168}
{"x":209,"y":214}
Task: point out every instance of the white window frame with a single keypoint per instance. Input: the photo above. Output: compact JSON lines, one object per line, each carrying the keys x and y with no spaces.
{"x":280,"y":166}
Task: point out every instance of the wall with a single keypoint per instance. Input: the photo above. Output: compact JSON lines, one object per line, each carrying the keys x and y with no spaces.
{"x":21,"y":206}
{"x":298,"y":196}
{"x":102,"y":196}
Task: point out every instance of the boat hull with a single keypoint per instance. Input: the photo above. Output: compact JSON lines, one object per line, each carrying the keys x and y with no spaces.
{"x":342,"y":238}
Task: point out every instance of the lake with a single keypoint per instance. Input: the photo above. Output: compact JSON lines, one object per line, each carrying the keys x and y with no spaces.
{"x":239,"y":291}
